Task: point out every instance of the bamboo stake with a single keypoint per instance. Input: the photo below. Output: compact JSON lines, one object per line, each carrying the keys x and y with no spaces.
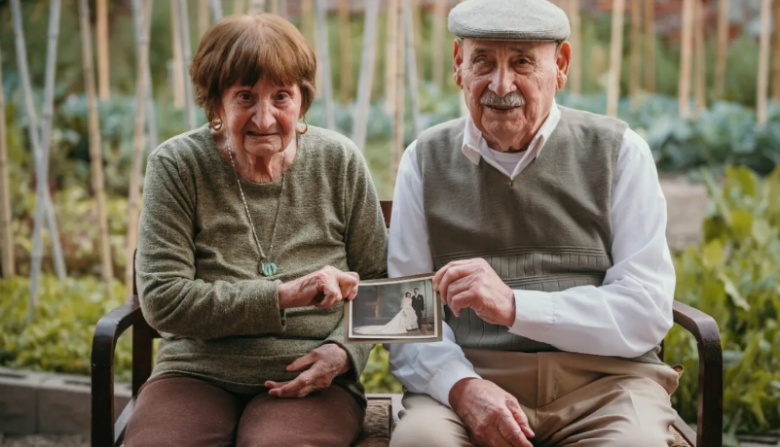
{"x":345,"y":51}
{"x":776,"y":78}
{"x":274,"y":7}
{"x":575,"y":69}
{"x":684,"y":87}
{"x":177,"y":74}
{"x":411,"y":66}
{"x":722,"y":52}
{"x":616,"y":57}
{"x":256,"y":6}
{"x":142,"y":55}
{"x":437,"y":42}
{"x":33,"y":130}
{"x":95,"y":144}
{"x":417,"y":36}
{"x":701,"y":59}
{"x":649,"y":46}
{"x":763,"y":62}
{"x":216,"y":11}
{"x":203,"y":17}
{"x":398,"y":108}
{"x":327,"y":84}
{"x":307,"y":20}
{"x":103,"y":59}
{"x":464,"y":108}
{"x":184,"y":27}
{"x":42,"y":166}
{"x":151,"y":116}
{"x":6,"y":235}
{"x":367,"y":65}
{"x":239,"y":7}
{"x":635,"y":58}
{"x":307,"y":25}
{"x":391,"y":52}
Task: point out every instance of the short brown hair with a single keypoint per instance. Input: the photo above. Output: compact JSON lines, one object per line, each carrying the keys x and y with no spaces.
{"x":246,"y":48}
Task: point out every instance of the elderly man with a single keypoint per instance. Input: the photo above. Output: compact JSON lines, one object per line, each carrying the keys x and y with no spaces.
{"x":546,"y":229}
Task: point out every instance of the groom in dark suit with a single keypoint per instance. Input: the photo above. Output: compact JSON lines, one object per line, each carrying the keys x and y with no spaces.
{"x":418,"y":304}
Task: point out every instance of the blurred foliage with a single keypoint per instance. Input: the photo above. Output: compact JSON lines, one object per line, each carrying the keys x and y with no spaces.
{"x":60,"y":339}
{"x":734,"y":276}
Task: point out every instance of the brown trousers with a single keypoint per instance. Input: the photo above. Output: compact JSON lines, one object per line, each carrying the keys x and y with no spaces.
{"x":570,"y":399}
{"x":175,"y":410}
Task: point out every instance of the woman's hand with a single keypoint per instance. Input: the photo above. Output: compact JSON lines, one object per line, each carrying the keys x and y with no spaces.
{"x":323,"y":363}
{"x":323,"y":288}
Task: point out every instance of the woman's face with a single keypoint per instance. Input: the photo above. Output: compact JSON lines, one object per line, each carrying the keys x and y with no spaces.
{"x":408,"y":294}
{"x":260,"y":120}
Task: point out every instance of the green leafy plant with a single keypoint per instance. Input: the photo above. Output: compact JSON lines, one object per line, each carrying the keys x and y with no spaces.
{"x":734,"y":276}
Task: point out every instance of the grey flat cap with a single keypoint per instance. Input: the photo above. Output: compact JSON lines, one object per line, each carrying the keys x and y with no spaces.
{"x":509,"y":20}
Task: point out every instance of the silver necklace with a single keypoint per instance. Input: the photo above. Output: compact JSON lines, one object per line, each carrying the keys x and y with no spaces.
{"x":265,"y":267}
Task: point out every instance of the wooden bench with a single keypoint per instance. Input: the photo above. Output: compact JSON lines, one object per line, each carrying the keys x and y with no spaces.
{"x":382,"y":410}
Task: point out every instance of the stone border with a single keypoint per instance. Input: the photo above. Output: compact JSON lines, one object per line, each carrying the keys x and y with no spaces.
{"x":49,"y":403}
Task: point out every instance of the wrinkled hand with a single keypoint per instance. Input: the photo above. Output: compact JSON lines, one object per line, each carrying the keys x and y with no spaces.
{"x":323,"y":363}
{"x":324,"y":288}
{"x":493,"y":417}
{"x":473,"y":283}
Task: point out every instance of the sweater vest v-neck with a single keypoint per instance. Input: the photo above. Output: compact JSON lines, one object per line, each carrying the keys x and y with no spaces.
{"x":548,"y":229}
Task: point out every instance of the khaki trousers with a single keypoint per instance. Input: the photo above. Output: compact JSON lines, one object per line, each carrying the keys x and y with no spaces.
{"x":570,"y":399}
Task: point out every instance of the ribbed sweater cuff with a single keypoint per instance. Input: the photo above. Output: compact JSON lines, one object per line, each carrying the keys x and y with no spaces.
{"x":268,"y":316}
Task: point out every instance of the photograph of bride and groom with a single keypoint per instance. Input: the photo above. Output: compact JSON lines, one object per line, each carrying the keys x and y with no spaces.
{"x":395,"y":310}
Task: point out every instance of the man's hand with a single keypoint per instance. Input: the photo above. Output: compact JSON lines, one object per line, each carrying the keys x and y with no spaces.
{"x":323,"y":363}
{"x":493,"y":417}
{"x":473,"y":283}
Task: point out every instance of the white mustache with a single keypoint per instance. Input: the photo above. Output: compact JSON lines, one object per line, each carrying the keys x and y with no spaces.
{"x":511,"y":99}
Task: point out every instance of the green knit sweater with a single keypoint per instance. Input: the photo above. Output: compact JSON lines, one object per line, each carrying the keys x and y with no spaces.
{"x":197,"y":260}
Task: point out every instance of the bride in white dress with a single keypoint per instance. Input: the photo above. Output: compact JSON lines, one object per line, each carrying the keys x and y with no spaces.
{"x":405,"y":320}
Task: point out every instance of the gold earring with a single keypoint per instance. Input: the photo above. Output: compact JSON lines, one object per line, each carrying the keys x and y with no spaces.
{"x":216,"y":124}
{"x":305,"y":129}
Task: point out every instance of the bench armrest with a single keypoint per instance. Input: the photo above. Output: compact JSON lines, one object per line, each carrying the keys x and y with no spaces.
{"x":107,"y":333}
{"x":710,"y":401}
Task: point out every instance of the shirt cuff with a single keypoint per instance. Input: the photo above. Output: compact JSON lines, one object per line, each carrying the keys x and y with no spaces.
{"x":270,"y":318}
{"x":534,"y":314}
{"x":447,"y":376}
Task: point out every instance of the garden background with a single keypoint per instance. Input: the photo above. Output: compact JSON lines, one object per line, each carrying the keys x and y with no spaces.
{"x":717,"y":157}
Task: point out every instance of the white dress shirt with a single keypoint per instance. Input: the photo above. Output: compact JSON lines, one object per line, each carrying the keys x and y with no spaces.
{"x":625,"y":317}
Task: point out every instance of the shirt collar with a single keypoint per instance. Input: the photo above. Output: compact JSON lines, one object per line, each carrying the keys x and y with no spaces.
{"x":474,"y":144}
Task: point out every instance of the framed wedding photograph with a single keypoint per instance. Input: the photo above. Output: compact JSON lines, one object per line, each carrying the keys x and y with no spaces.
{"x":395,"y":310}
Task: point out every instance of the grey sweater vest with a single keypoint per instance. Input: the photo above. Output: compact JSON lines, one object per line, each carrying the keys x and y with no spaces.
{"x":549,"y":229}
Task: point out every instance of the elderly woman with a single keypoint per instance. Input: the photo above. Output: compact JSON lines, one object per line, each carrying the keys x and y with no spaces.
{"x":255,"y":228}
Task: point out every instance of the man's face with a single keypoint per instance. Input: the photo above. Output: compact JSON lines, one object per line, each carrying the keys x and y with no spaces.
{"x":509,"y":86}
{"x":416,"y":292}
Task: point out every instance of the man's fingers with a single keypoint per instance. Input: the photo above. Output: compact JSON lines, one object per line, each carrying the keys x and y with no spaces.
{"x":522,"y":420}
{"x":461,"y":301}
{"x":302,"y":362}
{"x":453,"y":274}
{"x":512,"y":433}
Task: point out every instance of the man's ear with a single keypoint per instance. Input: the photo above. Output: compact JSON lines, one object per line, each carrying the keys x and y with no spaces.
{"x":457,"y":62}
{"x":562,"y":59}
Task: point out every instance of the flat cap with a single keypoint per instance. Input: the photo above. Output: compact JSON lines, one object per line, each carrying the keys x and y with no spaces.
{"x":509,"y":20}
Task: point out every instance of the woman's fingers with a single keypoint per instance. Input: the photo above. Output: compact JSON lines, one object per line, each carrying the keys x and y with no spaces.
{"x":302,"y":362}
{"x":348,"y":283}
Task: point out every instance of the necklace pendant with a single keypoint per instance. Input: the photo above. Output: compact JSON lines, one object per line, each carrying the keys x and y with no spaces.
{"x":268,"y":269}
